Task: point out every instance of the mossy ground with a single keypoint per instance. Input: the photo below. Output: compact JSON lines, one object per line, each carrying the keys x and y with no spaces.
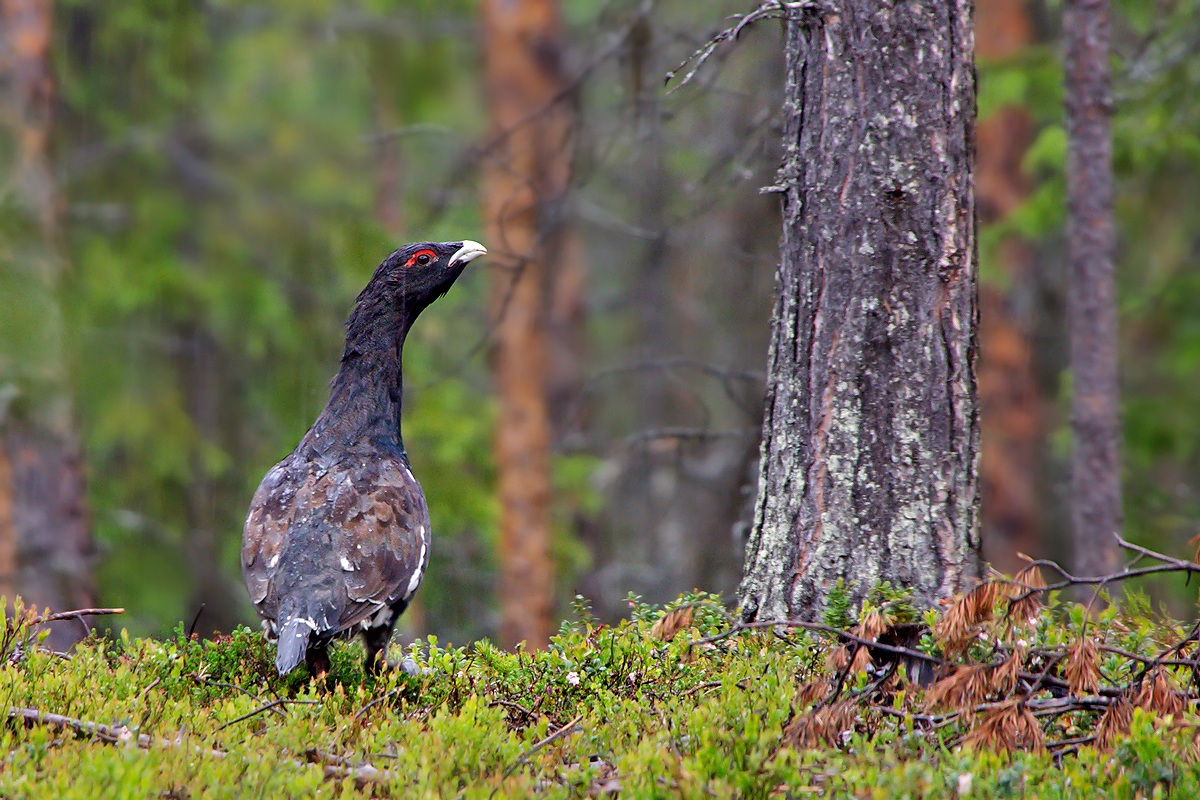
{"x":644,"y":718}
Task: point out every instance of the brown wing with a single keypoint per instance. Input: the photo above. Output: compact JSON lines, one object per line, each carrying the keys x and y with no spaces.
{"x":335,"y":544}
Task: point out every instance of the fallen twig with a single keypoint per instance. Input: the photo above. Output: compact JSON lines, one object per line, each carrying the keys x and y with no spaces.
{"x":222,"y":685}
{"x":280,"y":701}
{"x":525,"y":712}
{"x":78,"y":613}
{"x":528,"y":754}
{"x":338,"y":768}
{"x":391,"y":693}
{"x":334,"y":767}
{"x":109,"y":734}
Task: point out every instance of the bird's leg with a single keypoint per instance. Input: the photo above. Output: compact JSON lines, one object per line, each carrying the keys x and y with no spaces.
{"x":377,"y":640}
{"x":317,"y":658}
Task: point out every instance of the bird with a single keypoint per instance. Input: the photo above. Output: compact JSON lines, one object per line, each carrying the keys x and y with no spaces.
{"x":337,"y":536}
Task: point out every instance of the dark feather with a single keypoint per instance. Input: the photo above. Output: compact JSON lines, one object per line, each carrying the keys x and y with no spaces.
{"x":337,"y":538}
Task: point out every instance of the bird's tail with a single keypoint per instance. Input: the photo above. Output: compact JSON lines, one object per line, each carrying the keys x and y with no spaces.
{"x":292,"y":644}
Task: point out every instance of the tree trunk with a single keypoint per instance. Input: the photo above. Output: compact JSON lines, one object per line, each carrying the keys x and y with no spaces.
{"x":45,"y":542}
{"x":49,"y":516}
{"x":870,"y":428}
{"x":525,"y":179}
{"x":1010,"y":406}
{"x":1091,"y":292}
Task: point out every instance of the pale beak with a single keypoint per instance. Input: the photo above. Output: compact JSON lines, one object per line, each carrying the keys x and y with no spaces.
{"x":468,"y":252}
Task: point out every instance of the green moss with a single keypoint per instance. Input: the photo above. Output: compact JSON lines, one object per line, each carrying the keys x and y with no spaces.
{"x":648,"y":718}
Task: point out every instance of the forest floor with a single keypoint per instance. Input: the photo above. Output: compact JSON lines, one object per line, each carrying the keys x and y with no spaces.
{"x":676,"y":702}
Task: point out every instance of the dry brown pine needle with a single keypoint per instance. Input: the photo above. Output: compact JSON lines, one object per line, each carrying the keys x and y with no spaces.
{"x":811,"y":693}
{"x":1081,"y":668}
{"x":1159,"y":695}
{"x":1007,"y":728}
{"x":838,"y":658}
{"x":822,"y":727}
{"x":958,"y":625}
{"x":1004,"y":677}
{"x":963,"y":688}
{"x":862,"y":660}
{"x":874,"y":625}
{"x":1024,"y":603}
{"x":672,"y":623}
{"x":1114,"y":722}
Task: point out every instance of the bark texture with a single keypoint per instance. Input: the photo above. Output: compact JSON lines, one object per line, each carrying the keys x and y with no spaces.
{"x":525,"y":182}
{"x":870,"y":429}
{"x":48,"y":513}
{"x":1010,"y":403}
{"x":45,"y":542}
{"x":1091,"y":291}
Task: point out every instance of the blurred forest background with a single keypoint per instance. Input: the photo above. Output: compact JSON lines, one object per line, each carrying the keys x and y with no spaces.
{"x":192,"y":194}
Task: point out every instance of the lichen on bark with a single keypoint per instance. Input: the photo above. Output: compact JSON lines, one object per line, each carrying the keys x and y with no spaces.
{"x":870,"y":432}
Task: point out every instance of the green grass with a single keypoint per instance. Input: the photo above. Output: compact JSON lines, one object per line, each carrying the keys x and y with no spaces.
{"x":634,"y":714}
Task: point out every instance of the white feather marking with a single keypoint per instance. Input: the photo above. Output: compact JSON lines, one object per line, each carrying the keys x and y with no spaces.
{"x":418,"y":573}
{"x":382,"y":617}
{"x":346,"y":565}
{"x":272,"y":561}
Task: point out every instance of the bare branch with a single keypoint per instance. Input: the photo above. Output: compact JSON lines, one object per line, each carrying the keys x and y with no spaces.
{"x":528,"y":754}
{"x":78,"y":613}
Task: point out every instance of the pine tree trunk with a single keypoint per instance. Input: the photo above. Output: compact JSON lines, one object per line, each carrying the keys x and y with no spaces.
{"x":1091,"y":291}
{"x":48,"y":513}
{"x":45,"y":539}
{"x":526,"y":177}
{"x":870,"y":429}
{"x":1011,"y":429}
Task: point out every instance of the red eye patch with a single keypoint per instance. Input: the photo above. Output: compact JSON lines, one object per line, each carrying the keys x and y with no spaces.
{"x":421,"y":258}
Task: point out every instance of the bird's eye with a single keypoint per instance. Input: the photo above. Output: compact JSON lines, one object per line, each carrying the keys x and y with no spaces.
{"x":422,"y":258}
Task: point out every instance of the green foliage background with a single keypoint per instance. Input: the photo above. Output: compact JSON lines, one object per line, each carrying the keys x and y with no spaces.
{"x":219,"y":163}
{"x":1156,"y":143}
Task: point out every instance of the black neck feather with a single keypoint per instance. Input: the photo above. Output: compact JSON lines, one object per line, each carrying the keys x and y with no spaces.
{"x":365,"y":396}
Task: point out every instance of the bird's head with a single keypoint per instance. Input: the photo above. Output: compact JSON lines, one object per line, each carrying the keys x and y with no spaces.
{"x":417,"y":274}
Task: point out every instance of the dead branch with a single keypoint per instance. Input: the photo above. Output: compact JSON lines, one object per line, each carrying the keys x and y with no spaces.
{"x":78,"y":613}
{"x":334,"y":767}
{"x":528,"y":754}
{"x":770,"y":9}
{"x":338,"y":768}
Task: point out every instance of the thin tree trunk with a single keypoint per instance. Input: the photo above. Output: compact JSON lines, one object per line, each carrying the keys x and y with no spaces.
{"x":204,"y":388}
{"x":1091,"y":290}
{"x":9,"y":536}
{"x":45,"y":541}
{"x":1010,"y":405}
{"x":525,"y":179}
{"x":49,"y":514}
{"x":870,"y":429}
{"x":383,"y":64}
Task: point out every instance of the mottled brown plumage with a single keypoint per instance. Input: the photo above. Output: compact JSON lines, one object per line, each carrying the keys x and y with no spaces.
{"x":337,"y":538}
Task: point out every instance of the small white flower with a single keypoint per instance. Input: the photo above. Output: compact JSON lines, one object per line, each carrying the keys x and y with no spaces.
{"x":1022,"y":643}
{"x":573,"y":678}
{"x":964,"y":784}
